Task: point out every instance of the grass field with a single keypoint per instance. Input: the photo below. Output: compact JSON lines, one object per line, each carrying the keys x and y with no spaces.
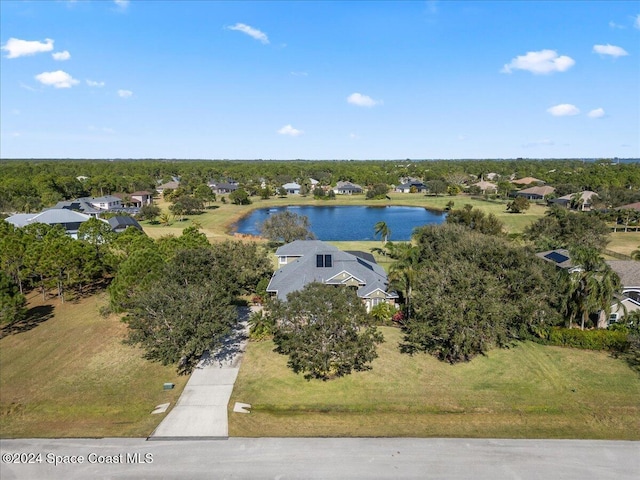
{"x":624,"y":242}
{"x":71,"y":376}
{"x":530,"y":391}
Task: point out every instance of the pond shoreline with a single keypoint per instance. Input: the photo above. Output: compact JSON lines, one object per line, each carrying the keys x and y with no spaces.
{"x":344,"y":222}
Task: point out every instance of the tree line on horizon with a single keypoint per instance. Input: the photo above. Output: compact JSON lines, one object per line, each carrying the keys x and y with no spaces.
{"x":28,"y":186}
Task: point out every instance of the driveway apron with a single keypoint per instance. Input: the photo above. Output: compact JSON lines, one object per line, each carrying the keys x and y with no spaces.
{"x":201,"y":411}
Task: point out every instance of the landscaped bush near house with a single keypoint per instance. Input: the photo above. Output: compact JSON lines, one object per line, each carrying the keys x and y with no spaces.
{"x":383,"y":314}
{"x":600,"y":339}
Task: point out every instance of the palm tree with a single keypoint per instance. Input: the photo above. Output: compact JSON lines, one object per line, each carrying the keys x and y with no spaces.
{"x":635,"y":255}
{"x":591,"y":287}
{"x":382,"y":229}
{"x":403,"y":273}
{"x":165,"y":219}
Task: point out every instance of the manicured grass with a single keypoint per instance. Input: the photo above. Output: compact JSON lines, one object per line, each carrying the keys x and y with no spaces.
{"x":624,"y":242}
{"x":216,"y":223}
{"x":71,"y":376}
{"x":529,"y":391}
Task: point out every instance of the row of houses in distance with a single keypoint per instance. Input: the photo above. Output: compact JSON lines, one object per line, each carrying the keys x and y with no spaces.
{"x":70,"y":214}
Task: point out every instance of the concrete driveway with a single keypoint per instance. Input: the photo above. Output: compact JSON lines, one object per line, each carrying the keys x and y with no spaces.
{"x":201,"y":411}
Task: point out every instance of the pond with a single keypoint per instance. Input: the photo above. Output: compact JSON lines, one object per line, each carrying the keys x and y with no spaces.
{"x":342,"y":223}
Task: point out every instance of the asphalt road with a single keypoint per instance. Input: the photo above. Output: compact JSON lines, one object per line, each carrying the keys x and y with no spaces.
{"x":320,"y":458}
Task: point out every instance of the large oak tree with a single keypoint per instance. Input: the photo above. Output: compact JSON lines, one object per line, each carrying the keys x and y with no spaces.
{"x":325,"y":331}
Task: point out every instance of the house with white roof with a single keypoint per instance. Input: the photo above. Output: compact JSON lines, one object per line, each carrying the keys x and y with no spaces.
{"x":292,"y":188}
{"x":69,"y":219}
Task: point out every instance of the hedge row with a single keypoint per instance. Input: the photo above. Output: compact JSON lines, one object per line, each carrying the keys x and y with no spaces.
{"x":599,"y":339}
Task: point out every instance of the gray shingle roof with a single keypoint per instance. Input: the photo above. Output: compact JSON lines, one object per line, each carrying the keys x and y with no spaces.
{"x":345,"y":266}
{"x":123,"y":222}
{"x":628,"y":270}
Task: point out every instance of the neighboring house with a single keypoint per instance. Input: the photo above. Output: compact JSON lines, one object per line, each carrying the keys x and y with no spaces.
{"x":412,"y":186}
{"x":527,"y":181}
{"x":486,"y":187}
{"x":69,"y":219}
{"x":306,"y":261}
{"x":121,"y":223}
{"x":141,"y":198}
{"x":630,"y":206}
{"x":534,"y":193}
{"x":96,"y":206}
{"x":627,"y":270}
{"x":104,"y":203}
{"x":224,"y":187}
{"x":167,"y":186}
{"x":582,"y":200}
{"x":559,"y":257}
{"x":629,"y":273}
{"x":292,"y":188}
{"x":347,"y":188}
{"x":492,"y":176}
{"x":79,"y":205}
{"x":135,"y":199}
{"x":624,"y":306}
{"x":629,"y":301}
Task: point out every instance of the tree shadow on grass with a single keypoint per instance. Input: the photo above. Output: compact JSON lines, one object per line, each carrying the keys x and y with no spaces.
{"x":35,"y":316}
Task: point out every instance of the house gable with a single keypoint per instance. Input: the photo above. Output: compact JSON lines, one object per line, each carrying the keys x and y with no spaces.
{"x":346,"y":278}
{"x":310,"y":265}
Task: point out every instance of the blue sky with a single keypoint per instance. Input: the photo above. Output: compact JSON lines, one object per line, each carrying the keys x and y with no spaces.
{"x":319,"y":80}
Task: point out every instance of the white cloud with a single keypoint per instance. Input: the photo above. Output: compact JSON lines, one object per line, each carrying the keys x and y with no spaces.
{"x":28,"y":87}
{"x":57,"y":79}
{"x":542,"y":62}
{"x":252,"y":32}
{"x":121,"y":3}
{"x":612,"y":50}
{"x":353,"y":136}
{"x":22,"y":48}
{"x":61,"y":56}
{"x":563,"y":110}
{"x":289,"y":130}
{"x":613,"y":24}
{"x":362,"y":100}
{"x":299,"y":74}
{"x":93,"y":83}
{"x":596,"y":113}
{"x":636,"y":22}
{"x":125,"y":93}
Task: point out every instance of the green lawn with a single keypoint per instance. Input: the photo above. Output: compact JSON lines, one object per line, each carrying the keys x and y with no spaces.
{"x":624,"y":242}
{"x":71,"y":376}
{"x":530,"y":391}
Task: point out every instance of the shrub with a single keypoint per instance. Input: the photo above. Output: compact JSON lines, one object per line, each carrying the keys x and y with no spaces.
{"x":383,"y":313}
{"x":610,"y":340}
